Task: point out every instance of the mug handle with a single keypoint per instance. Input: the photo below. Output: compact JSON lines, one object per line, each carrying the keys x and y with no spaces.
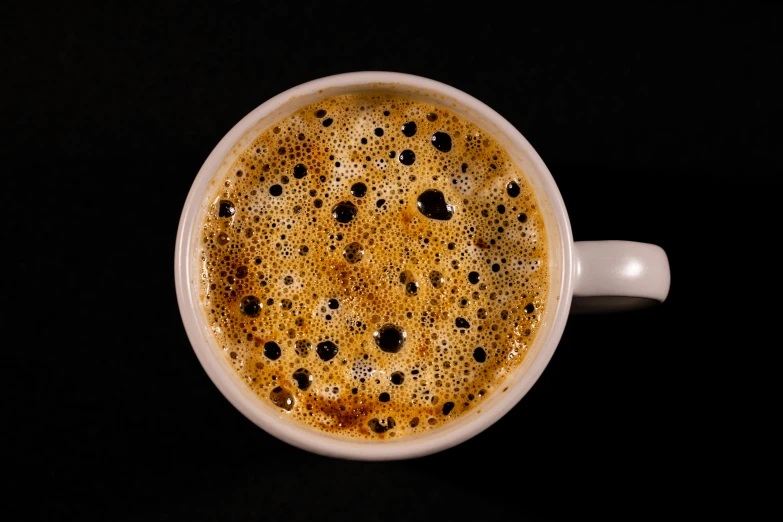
{"x":614,"y":276}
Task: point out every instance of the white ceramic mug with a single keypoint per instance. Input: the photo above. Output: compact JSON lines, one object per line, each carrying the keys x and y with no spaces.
{"x":598,"y":275}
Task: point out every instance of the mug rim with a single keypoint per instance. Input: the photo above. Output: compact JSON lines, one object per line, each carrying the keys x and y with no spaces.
{"x":307,"y":438}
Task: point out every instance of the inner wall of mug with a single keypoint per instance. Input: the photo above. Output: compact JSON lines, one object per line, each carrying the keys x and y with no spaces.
{"x":505,"y":395}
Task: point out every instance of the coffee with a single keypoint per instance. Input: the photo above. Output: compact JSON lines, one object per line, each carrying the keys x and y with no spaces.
{"x":374,"y":266}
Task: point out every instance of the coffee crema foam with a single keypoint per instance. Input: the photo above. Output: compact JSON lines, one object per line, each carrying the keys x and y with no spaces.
{"x":374,"y":266}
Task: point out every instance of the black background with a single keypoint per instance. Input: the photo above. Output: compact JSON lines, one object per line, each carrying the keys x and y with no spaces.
{"x":658,"y":124}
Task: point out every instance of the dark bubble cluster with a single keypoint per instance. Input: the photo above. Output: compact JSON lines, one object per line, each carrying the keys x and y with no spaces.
{"x":373,"y":265}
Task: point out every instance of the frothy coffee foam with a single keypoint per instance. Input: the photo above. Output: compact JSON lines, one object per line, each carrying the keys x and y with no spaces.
{"x":374,"y":265}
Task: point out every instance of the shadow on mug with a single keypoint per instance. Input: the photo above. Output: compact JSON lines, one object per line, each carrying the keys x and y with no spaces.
{"x":604,"y":304}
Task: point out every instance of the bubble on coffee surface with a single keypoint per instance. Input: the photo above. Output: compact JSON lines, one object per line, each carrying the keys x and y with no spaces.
{"x":441,"y":141}
{"x":344,"y":212}
{"x":282,"y":398}
{"x":227,"y":209}
{"x":432,"y":203}
{"x":326,"y":350}
{"x":250,"y":306}
{"x":353,"y":253}
{"x":359,"y":189}
{"x":390,"y":338}
{"x":272,"y":350}
{"x":407,"y":157}
{"x":339,"y":301}
{"x":300,"y":171}
{"x":303,"y":378}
